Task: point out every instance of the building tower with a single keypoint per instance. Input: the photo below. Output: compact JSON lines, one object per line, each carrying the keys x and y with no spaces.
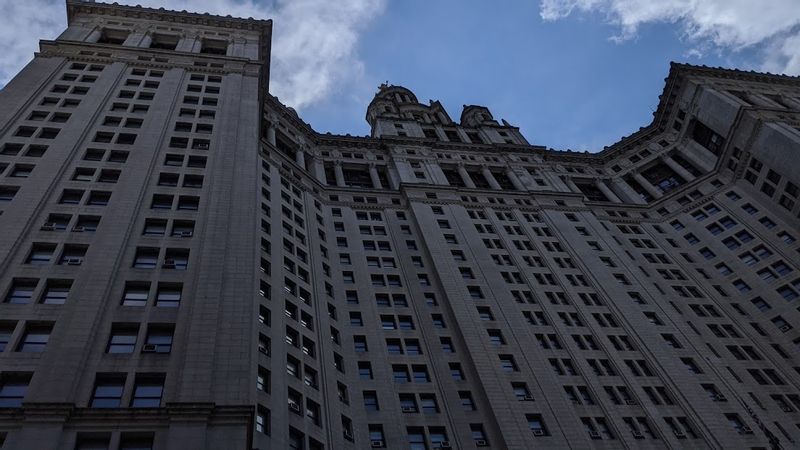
{"x":122,"y":248}
{"x":188,"y":264}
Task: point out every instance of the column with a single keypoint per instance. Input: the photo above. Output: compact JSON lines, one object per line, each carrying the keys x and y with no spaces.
{"x":435,"y":172}
{"x":300,"y":157}
{"x":490,"y":178}
{"x":237,"y":47}
{"x":571,"y":185}
{"x":318,"y":169}
{"x":186,"y":43}
{"x":621,"y":186}
{"x":555,"y":181}
{"x":337,"y":169}
{"x":273,"y":120}
{"x":373,"y":174}
{"x":704,"y":165}
{"x":672,"y":164}
{"x":514,"y":179}
{"x":190,"y":43}
{"x":465,"y":176}
{"x":95,"y":35}
{"x":147,"y":39}
{"x":394,"y":178}
{"x":654,"y":191}
{"x":606,"y":191}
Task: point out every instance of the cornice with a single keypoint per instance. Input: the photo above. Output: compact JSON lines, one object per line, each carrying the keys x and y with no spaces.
{"x":60,"y":49}
{"x":69,"y":413}
{"x":656,"y":130}
{"x":736,"y":74}
{"x":184,"y":17}
{"x":321,"y":192}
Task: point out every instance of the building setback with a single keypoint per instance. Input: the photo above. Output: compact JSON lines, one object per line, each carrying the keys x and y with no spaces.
{"x":186,"y":264}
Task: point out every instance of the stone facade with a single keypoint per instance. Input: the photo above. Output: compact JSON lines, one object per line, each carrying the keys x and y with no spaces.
{"x":182,"y":253}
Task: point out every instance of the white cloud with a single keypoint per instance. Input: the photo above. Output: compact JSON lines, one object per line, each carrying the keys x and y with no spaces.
{"x":772,"y":26}
{"x":313,"y":48}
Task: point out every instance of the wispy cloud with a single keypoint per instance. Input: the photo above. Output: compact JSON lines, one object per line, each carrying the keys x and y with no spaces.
{"x":772,"y":26}
{"x":314,"y":41}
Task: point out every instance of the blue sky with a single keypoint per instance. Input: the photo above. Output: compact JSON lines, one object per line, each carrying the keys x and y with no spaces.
{"x":565,"y":83}
{"x":572,"y":74}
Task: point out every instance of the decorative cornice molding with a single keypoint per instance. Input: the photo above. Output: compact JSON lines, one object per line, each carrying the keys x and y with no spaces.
{"x":70,"y":413}
{"x":62,"y":49}
{"x":75,"y":7}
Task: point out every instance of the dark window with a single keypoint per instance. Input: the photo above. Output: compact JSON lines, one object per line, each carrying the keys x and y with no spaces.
{"x":706,"y":137}
{"x":159,"y":339}
{"x":147,"y":391}
{"x":122,"y":338}
{"x":146,"y":258}
{"x":112,"y":37}
{"x":108,"y":391}
{"x":56,"y":292}
{"x":12,"y":389}
{"x":35,"y":339}
{"x":21,"y":291}
{"x":214,"y":47}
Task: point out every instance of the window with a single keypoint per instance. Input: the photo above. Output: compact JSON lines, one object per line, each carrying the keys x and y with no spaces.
{"x":6,"y":330}
{"x":177,"y":259}
{"x":21,"y":171}
{"x":135,"y":442}
{"x":456,"y":372}
{"x":508,"y":364}
{"x":168,"y":179}
{"x":154,"y":227}
{"x":365,"y":370}
{"x":146,"y":258}
{"x":147,"y":391}
{"x":447,"y":345}
{"x":478,"y":435}
{"x":416,"y":438}
{"x":135,"y":294}
{"x":168,"y":295}
{"x":35,"y":338}
{"x":360,"y":344}
{"x":92,"y":442}
{"x":73,"y":255}
{"x":263,"y":380}
{"x":262,"y":420}
{"x":188,"y":203}
{"x":371,"y":401}
{"x":536,"y":424}
{"x":400,"y":374}
{"x":112,"y":37}
{"x":521,"y":391}
{"x":108,"y":391}
{"x":161,"y":201}
{"x":420,"y":373}
{"x":12,"y":389}
{"x":466,"y":400}
{"x":21,"y":291}
{"x":70,"y":197}
{"x":159,"y":339}
{"x":164,"y":41}
{"x":86,"y":224}
{"x":214,"y":47}
{"x":98,"y":198}
{"x":428,"y":403}
{"x":7,"y":193}
{"x":122,"y":338}
{"x":41,"y":253}
{"x":376,"y":436}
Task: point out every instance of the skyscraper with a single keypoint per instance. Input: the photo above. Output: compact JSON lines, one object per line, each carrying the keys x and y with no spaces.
{"x":188,"y":264}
